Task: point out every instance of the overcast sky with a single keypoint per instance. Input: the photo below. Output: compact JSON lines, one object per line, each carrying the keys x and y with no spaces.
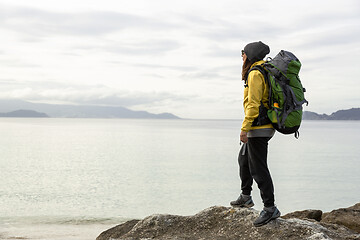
{"x":173,"y":56}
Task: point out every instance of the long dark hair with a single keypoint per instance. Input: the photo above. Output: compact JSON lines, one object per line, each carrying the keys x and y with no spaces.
{"x":245,"y":68}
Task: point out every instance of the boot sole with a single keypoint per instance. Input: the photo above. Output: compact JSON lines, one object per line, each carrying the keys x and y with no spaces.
{"x":243,"y":205}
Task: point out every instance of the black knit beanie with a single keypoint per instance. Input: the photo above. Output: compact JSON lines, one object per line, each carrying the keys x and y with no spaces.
{"x":256,"y":51}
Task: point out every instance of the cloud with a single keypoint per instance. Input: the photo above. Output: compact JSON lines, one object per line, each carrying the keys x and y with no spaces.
{"x":39,"y":23}
{"x":134,"y":47}
{"x":309,"y":29}
{"x":148,"y":47}
{"x":328,"y":38}
{"x":213,"y":75}
{"x":17,"y":63}
{"x":232,"y":33}
{"x":159,"y":66}
{"x":221,"y":52}
{"x":138,"y":33}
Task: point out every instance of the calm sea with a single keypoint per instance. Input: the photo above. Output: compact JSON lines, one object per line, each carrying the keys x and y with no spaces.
{"x":73,"y":178}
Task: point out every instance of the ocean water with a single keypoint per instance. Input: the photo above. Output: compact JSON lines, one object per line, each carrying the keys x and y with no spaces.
{"x":74,"y":178}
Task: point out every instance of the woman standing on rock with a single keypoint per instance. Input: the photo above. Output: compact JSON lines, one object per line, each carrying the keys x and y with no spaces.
{"x":256,"y":131}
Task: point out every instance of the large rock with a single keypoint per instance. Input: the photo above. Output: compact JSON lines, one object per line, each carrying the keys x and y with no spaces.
{"x":305,"y":214}
{"x":349,"y":217}
{"x":224,"y":223}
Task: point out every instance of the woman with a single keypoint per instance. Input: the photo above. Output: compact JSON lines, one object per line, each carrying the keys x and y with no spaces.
{"x":256,"y":131}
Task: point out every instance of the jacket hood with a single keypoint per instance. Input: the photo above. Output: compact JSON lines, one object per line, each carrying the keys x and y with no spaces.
{"x":256,"y":51}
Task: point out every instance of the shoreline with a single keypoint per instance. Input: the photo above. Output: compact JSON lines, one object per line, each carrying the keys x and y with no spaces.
{"x":84,"y":228}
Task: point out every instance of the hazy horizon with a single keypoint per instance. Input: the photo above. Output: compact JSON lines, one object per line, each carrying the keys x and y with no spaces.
{"x":62,"y":110}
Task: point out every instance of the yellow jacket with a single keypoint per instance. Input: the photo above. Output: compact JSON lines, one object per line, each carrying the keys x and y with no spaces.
{"x":256,"y":92}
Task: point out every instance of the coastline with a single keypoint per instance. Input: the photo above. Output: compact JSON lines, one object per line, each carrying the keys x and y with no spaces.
{"x":343,"y":222}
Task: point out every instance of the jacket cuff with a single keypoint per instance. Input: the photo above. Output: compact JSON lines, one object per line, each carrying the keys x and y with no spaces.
{"x":245,"y":127}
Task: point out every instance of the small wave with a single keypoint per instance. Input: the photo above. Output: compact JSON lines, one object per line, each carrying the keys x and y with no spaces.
{"x":86,"y":220}
{"x":62,"y":220}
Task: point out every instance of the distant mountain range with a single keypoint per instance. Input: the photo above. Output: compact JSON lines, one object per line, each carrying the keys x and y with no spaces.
{"x":349,"y":114}
{"x":24,"y":114}
{"x":19,"y":108}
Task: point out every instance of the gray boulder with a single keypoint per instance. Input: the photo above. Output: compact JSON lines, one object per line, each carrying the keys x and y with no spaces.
{"x":305,"y":214}
{"x":224,"y":223}
{"x":348,"y":217}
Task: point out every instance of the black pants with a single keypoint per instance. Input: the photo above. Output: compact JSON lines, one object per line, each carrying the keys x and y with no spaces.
{"x":253,"y":165}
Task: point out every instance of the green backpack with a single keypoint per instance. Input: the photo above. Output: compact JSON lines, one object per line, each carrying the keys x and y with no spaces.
{"x":286,"y":93}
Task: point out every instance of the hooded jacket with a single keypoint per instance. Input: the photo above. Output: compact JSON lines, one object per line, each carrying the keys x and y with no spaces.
{"x":257,"y":90}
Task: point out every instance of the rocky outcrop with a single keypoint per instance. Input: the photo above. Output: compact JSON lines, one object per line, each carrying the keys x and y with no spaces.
{"x":306,"y":215}
{"x":226,"y":223}
{"x":348,"y":217}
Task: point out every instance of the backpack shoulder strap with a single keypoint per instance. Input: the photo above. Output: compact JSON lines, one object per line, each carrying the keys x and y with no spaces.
{"x":261,"y":69}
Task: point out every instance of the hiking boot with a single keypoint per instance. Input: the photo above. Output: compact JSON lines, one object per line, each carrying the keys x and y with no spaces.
{"x":242,"y":201}
{"x":266,"y":216}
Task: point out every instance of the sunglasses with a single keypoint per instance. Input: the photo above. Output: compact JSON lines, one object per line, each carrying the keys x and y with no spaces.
{"x":242,"y":52}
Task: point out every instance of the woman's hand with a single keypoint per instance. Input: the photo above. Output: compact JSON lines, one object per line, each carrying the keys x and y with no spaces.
{"x":243,"y":137}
